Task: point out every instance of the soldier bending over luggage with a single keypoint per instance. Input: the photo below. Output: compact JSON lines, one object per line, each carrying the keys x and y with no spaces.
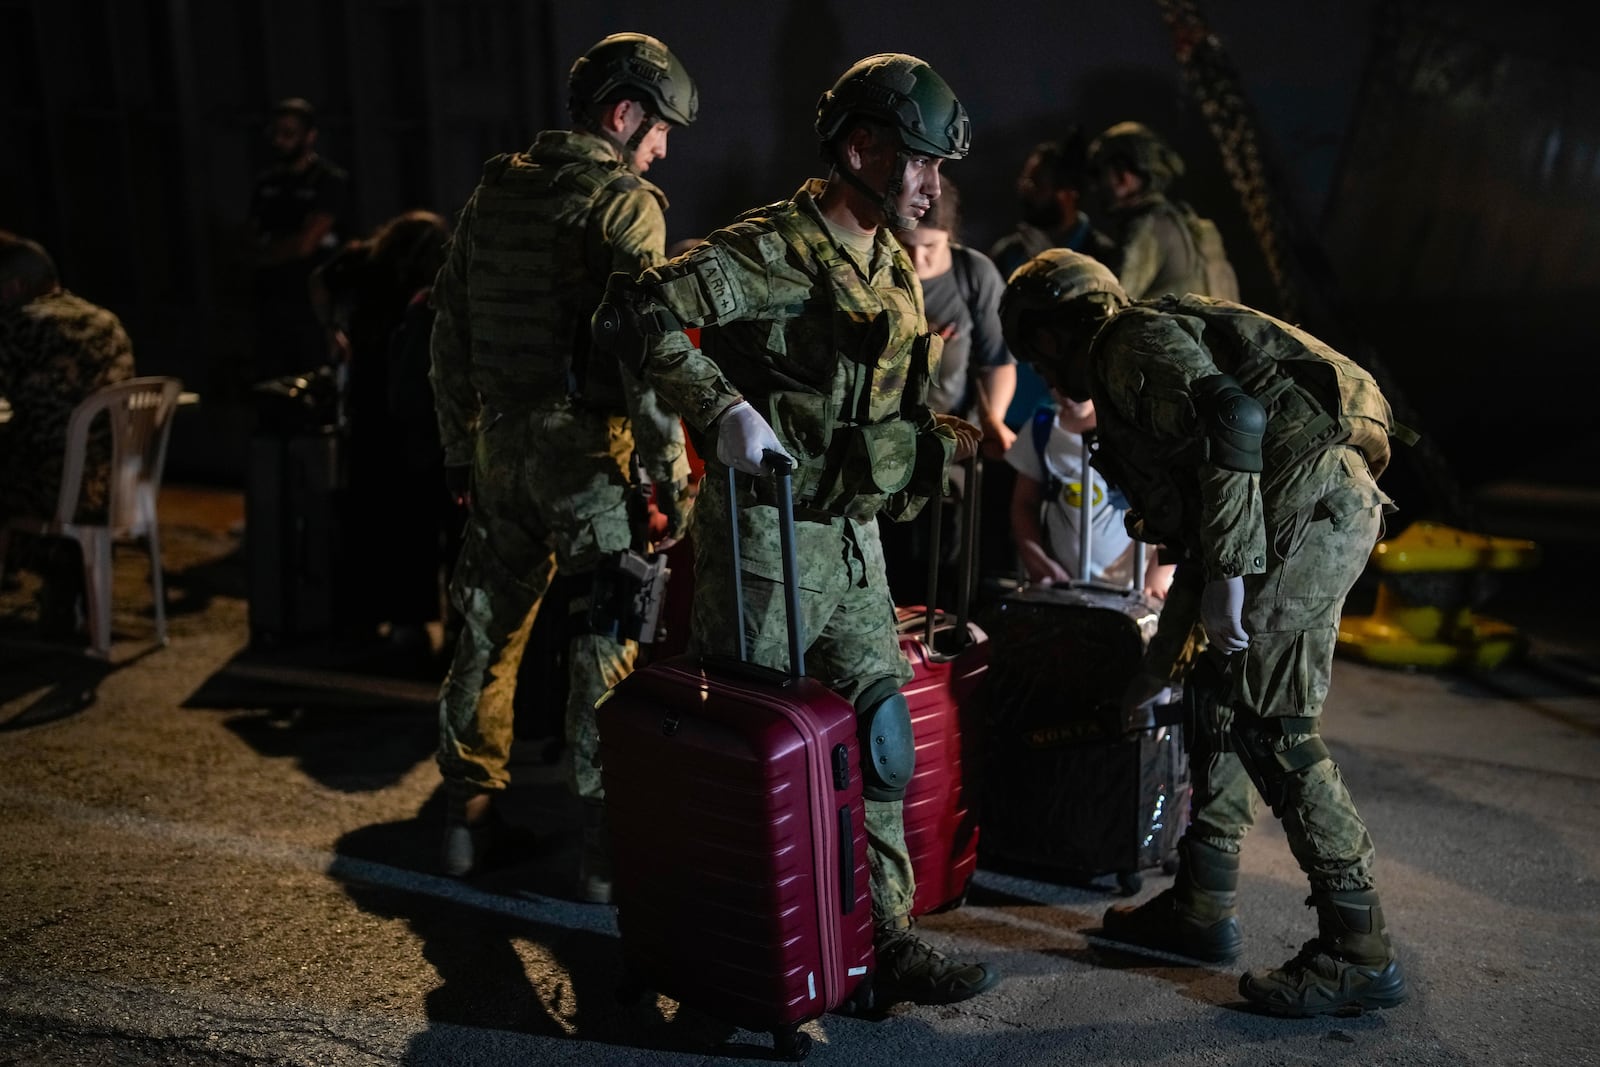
{"x":1254,"y":447}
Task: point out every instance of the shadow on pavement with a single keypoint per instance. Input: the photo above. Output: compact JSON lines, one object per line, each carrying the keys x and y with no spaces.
{"x":511,"y":955}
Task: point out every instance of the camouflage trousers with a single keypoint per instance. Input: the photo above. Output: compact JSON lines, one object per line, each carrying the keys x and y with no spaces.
{"x":548,"y":497}
{"x":848,"y":631}
{"x":1292,"y":615}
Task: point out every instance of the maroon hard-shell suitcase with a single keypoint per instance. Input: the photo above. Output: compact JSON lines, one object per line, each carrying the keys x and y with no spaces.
{"x":949,"y":657}
{"x":733,"y":799}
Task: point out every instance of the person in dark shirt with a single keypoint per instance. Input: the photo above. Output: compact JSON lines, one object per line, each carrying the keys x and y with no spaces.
{"x":298,"y":210}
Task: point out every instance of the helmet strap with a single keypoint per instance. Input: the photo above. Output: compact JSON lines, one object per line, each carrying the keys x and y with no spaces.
{"x":646,"y":124}
{"x":888,"y":199}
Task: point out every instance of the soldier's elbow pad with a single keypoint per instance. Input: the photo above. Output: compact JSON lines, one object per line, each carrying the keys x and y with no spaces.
{"x":1233,"y":422}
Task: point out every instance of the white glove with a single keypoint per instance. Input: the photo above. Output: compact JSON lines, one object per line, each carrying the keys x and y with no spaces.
{"x":1221,"y":608}
{"x":742,"y":436}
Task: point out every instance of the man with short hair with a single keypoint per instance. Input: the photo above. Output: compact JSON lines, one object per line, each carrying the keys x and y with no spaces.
{"x":299,"y":209}
{"x":55,"y":350}
{"x":1049,"y":190}
{"x":814,"y":344}
{"x":538,"y":427}
{"x":1252,"y":448}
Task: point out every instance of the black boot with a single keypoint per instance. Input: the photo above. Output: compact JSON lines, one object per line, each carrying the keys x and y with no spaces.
{"x":470,"y":827}
{"x":909,"y":968}
{"x":1349,"y":966}
{"x":594,"y":860}
{"x":1197,"y":917}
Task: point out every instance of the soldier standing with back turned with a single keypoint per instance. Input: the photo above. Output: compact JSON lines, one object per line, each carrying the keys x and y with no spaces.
{"x":538,"y":428}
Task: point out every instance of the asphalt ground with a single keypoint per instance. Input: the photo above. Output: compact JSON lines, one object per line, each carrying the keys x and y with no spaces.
{"x":209,"y":856}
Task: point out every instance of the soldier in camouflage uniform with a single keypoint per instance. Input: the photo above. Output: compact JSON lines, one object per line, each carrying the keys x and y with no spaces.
{"x":1163,"y":246}
{"x":815,"y":344}
{"x":55,"y":350}
{"x":538,"y":428}
{"x":1254,"y":447}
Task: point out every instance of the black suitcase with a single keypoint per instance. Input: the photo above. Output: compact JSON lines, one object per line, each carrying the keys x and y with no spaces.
{"x":1073,"y":791}
{"x":292,"y":534}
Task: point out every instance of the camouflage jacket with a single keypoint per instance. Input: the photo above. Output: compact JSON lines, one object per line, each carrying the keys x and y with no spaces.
{"x":838,"y":359}
{"x":54,"y":351}
{"x":1143,"y":365}
{"x":1159,"y":252}
{"x":524,"y":271}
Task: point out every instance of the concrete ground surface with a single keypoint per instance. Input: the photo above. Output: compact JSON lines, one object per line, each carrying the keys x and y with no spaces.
{"x":214,"y":857}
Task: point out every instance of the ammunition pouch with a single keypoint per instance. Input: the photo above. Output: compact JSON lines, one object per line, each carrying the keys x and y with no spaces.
{"x":1273,"y":772}
{"x":626,"y":596}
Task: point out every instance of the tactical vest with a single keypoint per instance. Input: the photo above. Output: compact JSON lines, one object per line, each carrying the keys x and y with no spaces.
{"x":1315,"y":399}
{"x":531,"y":291}
{"x":847,"y":411}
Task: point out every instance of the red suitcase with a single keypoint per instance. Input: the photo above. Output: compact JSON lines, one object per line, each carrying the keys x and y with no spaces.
{"x":733,"y":799}
{"x":950,"y":658}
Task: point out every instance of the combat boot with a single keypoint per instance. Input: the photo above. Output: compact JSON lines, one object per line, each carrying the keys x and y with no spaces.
{"x":1349,"y":966}
{"x":594,"y":859}
{"x":909,"y":968}
{"x":469,"y":829}
{"x":1197,"y":917}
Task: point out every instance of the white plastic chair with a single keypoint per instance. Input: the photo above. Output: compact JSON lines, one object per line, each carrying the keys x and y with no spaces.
{"x":140,"y":410}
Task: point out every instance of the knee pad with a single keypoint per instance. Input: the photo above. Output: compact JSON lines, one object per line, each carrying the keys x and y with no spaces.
{"x":1254,"y":741}
{"x":888,"y":751}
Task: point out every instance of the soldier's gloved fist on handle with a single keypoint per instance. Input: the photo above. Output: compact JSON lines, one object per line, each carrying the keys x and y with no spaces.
{"x":1221,"y":611}
{"x":743,"y":438}
{"x":968,"y":436}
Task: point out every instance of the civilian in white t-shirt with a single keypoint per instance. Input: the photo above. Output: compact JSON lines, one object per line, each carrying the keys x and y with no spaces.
{"x":1046,"y":508}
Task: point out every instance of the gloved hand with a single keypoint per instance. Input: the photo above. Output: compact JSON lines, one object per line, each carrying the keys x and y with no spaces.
{"x":742,"y":436}
{"x":1221,"y":611}
{"x":673,"y":501}
{"x":967,"y":436}
{"x":458,"y":483}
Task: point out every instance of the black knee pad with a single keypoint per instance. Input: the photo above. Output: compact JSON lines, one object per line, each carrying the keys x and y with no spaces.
{"x":888,"y":751}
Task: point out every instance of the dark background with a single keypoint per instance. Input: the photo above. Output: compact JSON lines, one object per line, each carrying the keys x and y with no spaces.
{"x":1440,"y":162}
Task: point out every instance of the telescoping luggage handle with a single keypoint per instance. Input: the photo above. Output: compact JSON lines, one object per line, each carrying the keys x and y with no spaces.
{"x":1086,"y":525}
{"x":969,"y":554}
{"x":782,"y":468}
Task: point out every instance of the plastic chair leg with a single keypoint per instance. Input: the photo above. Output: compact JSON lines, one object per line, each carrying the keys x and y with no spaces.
{"x":157,"y":589}
{"x":96,"y":546}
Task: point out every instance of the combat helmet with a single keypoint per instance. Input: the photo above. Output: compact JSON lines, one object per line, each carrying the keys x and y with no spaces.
{"x":907,"y":96}
{"x":1141,"y":150}
{"x":1073,"y":293}
{"x":634,"y":62}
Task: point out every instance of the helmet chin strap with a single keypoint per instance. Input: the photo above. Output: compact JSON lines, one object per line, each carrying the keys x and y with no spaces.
{"x":888,"y":199}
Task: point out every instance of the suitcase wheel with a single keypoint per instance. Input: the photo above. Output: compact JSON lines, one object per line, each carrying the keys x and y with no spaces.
{"x":1130,"y":882}
{"x":790,"y":1044}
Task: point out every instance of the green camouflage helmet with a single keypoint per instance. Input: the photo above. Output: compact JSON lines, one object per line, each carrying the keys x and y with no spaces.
{"x":1073,"y":292}
{"x":633,"y":63}
{"x":902,"y":92}
{"x":1140,"y":149}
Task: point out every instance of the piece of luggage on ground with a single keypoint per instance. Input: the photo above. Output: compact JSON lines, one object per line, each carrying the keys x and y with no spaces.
{"x":950,"y":655}
{"x":293,"y":496}
{"x":733,"y":801}
{"x":1072,"y":791}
